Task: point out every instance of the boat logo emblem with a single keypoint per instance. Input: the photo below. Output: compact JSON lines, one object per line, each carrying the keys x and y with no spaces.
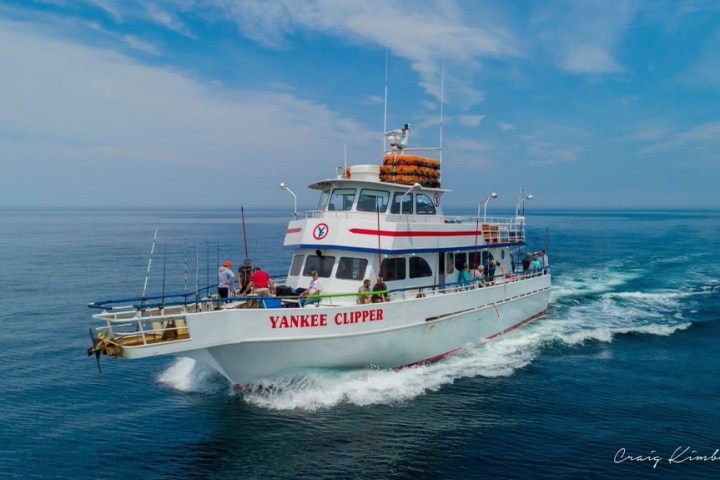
{"x":321,"y":230}
{"x":436,"y":199}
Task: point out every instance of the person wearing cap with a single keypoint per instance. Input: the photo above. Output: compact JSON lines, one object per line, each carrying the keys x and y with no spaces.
{"x":315,"y":288}
{"x":225,"y":279}
{"x":259,"y":284}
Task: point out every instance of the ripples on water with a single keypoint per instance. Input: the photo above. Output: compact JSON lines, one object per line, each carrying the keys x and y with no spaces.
{"x":621,"y":360}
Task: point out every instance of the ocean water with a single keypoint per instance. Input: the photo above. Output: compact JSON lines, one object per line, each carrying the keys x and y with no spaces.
{"x":617,"y":381}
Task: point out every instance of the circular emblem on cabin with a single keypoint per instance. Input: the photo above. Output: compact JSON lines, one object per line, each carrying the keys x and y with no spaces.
{"x":320,"y":231}
{"x":436,"y":199}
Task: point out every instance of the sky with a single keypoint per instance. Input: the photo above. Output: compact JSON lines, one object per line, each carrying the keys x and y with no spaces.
{"x":213,"y":103}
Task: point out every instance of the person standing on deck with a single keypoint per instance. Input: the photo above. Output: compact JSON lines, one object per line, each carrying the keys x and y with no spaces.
{"x":545,"y":261}
{"x":225,"y":279}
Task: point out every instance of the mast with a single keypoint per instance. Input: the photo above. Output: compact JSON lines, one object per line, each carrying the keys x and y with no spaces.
{"x":387,"y":57}
{"x":442,"y":97}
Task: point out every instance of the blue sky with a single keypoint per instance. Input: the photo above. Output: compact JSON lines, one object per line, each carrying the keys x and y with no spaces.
{"x":212,"y":103}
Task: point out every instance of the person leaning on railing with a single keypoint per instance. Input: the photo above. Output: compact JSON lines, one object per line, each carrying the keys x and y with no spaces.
{"x":384,"y":295}
{"x":364,"y":292}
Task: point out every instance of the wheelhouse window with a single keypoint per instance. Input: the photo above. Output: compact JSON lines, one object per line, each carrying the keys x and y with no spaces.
{"x":342,"y":199}
{"x":423,"y":205}
{"x":393,"y":268}
{"x":322,"y":265}
{"x":324,"y":196}
{"x":296,"y":264}
{"x":370,"y":200}
{"x":419,"y":268}
{"x":351,"y":268}
{"x":407,"y":203}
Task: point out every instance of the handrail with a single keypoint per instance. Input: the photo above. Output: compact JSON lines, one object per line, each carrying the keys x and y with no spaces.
{"x":427,"y":289}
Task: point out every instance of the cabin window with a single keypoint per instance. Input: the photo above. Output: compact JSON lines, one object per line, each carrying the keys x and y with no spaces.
{"x":370,"y":200}
{"x":324,"y":196}
{"x":296,"y":264}
{"x":322,"y":265}
{"x":393,"y":268}
{"x":407,"y":200}
{"x":350,"y":268}
{"x":460,"y":260}
{"x":419,"y":268}
{"x":423,"y":205}
{"x":475,"y":258}
{"x":341,"y":199}
{"x":450,"y":263}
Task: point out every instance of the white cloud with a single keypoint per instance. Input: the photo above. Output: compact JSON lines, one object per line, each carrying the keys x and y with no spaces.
{"x":583,"y":36}
{"x":701,"y":138}
{"x":167,"y":19}
{"x":470,"y":120}
{"x":110,"y":8}
{"x":103,"y":113}
{"x":505,"y":127}
{"x":140,"y":45}
{"x":546,"y":153}
{"x":426,"y":34}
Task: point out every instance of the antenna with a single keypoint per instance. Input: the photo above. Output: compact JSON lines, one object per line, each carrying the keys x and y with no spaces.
{"x":442,"y":97}
{"x":387,"y":58}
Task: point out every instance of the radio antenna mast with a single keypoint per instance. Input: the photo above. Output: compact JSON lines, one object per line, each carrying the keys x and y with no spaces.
{"x":442,"y":98}
{"x":387,"y":59}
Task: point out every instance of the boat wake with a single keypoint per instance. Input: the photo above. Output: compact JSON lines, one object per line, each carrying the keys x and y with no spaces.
{"x":601,"y":316}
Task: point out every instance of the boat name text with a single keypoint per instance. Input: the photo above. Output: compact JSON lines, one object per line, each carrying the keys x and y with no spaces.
{"x":320,"y":320}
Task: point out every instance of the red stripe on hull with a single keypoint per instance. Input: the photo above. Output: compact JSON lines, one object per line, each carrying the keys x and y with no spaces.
{"x":294,"y":230}
{"x":389,"y":233}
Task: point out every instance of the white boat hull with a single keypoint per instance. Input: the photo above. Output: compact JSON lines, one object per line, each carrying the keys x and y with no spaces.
{"x":249,"y":346}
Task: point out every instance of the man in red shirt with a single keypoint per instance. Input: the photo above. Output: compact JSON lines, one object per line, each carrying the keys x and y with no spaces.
{"x":260,"y":283}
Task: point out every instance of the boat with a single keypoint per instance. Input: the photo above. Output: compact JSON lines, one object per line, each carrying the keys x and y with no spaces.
{"x":371,"y":220}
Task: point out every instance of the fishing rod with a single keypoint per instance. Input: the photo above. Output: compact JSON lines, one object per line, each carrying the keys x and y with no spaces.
{"x":147,"y":273}
{"x":207,"y":269}
{"x":197,"y":276}
{"x":162,"y":303}
{"x":242,"y":212}
{"x":185,"y":274}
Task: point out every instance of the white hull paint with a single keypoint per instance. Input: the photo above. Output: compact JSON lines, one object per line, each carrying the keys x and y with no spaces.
{"x":243,"y":346}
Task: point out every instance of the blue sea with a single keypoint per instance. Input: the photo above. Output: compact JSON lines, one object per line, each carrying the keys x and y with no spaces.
{"x":618,"y":381}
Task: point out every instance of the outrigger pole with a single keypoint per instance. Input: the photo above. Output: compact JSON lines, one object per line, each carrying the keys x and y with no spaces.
{"x":185,"y":274}
{"x":242,"y":213}
{"x":197,"y":276}
{"x":147,"y":273}
{"x":245,"y":271}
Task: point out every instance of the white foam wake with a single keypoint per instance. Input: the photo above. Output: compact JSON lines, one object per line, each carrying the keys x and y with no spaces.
{"x":599,"y":317}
